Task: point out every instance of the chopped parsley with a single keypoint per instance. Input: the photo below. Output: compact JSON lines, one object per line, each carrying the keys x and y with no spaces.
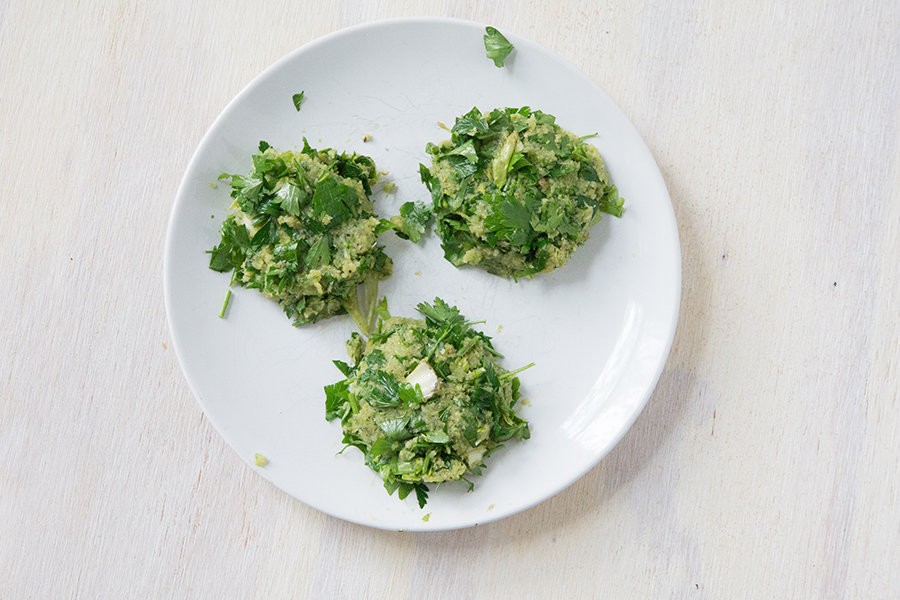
{"x":412,"y":221}
{"x":514,"y":193}
{"x":303,"y":232}
{"x":297,"y":100}
{"x":425,"y":400}
{"x":496,"y":46}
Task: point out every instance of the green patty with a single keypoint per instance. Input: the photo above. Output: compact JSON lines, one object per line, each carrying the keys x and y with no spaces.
{"x":514,"y":193}
{"x":426,"y":401}
{"x":303,"y":232}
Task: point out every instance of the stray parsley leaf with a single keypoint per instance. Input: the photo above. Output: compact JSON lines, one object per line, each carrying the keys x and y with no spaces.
{"x":496,"y":46}
{"x":298,"y":100}
{"x":336,"y":397}
{"x":333,"y":201}
{"x":411,"y":223}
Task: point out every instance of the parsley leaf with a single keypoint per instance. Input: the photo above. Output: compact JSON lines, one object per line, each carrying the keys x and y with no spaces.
{"x":467,"y":151}
{"x":395,"y":429}
{"x":336,"y":396}
{"x":221,"y":257}
{"x":332,"y":201}
{"x":298,"y":100}
{"x":512,"y":221}
{"x":472,"y":123}
{"x":496,"y":46}
{"x":386,"y":391}
{"x":421,"y":495}
{"x":410,"y":224}
{"x":290,"y":196}
{"x":343,"y":367}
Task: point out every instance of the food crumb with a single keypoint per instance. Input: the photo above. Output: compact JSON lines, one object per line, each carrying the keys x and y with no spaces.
{"x":426,"y":517}
{"x":366,"y":137}
{"x":491,"y":506}
{"x":165,"y":346}
{"x":214,"y":185}
{"x":442,"y":126}
{"x":260,"y":460}
{"x":390,"y":187}
{"x":418,"y":273}
{"x":499,"y":327}
{"x":525,"y":402}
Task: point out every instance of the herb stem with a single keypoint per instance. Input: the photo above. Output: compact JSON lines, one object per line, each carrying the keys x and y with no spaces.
{"x":509,"y":374}
{"x":362,"y":307}
{"x":225,"y":304}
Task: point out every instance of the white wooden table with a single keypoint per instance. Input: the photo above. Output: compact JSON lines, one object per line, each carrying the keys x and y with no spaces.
{"x":766,"y":465}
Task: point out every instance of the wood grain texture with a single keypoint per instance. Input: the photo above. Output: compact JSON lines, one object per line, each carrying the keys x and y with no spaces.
{"x":766,"y":464}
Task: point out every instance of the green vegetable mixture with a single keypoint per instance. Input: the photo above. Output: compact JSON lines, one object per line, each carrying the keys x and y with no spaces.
{"x":514,"y":193}
{"x":303,"y":233}
{"x":425,"y":401}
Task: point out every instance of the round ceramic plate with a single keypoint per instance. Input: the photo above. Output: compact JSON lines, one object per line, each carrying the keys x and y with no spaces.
{"x":599,"y":328}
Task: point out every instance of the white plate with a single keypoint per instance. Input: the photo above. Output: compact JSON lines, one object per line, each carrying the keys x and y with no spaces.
{"x":599,"y":329}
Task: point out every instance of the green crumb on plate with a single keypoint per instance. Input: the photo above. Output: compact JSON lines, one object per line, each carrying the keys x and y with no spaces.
{"x":496,"y":46}
{"x":426,"y":517}
{"x":260,"y":460}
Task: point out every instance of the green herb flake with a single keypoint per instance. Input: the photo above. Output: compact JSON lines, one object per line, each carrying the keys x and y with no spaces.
{"x":260,"y":460}
{"x":496,"y":46}
{"x":298,"y":100}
